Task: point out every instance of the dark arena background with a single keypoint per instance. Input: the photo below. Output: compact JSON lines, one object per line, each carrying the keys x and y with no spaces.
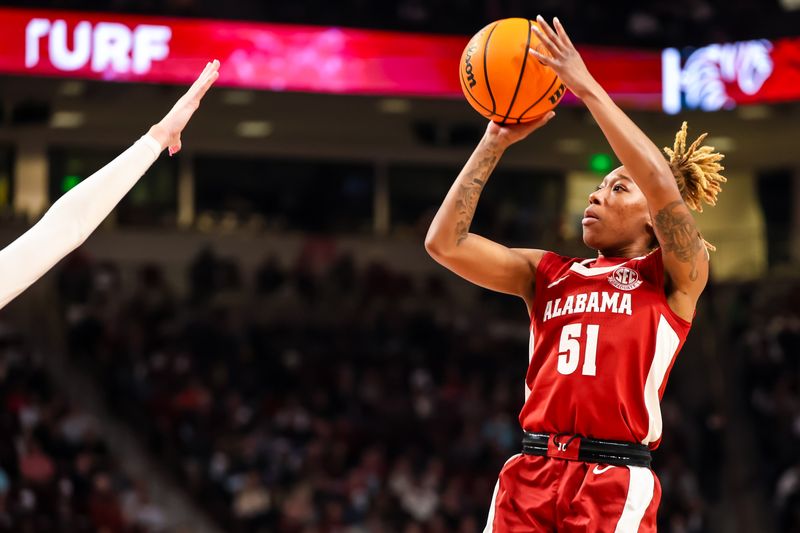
{"x":256,"y":340}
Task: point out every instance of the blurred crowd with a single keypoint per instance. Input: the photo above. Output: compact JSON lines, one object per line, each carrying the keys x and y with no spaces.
{"x":56,"y":472}
{"x":768,"y":343}
{"x":329,"y":396}
{"x":622,"y":22}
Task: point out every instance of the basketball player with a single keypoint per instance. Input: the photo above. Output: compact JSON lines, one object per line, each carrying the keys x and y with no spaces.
{"x":72,"y":218}
{"x":604,"y":331}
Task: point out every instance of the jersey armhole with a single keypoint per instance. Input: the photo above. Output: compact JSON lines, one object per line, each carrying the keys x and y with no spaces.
{"x":543,"y":270}
{"x":549,"y":265}
{"x":658,"y":265}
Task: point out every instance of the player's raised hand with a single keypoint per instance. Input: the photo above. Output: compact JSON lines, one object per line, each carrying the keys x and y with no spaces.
{"x":561,"y":56}
{"x":509,"y":134}
{"x":168,"y":130}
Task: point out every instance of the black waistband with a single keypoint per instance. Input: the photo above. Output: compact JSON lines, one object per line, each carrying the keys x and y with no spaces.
{"x":588,"y":450}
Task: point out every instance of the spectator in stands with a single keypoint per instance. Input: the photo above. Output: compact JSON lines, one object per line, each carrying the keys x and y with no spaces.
{"x":55,"y":471}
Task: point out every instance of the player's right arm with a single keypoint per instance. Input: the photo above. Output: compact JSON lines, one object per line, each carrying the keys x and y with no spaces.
{"x":477,"y":259}
{"x":74,"y":216}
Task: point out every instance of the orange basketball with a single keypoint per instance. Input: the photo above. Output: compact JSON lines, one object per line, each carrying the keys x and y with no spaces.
{"x":501,"y":80}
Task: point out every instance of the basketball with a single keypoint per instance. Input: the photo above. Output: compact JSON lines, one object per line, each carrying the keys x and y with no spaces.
{"x":501,"y":80}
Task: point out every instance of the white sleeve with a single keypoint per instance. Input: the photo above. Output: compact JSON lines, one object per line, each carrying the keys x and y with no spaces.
{"x":72,"y":218}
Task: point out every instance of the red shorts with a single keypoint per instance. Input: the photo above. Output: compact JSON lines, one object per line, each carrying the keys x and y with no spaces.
{"x":535,"y":493}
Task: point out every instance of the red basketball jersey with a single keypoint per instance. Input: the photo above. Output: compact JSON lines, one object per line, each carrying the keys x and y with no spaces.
{"x":603,"y":341}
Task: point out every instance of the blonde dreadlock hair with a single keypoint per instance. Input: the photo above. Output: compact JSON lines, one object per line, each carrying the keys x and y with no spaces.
{"x":697,"y":172}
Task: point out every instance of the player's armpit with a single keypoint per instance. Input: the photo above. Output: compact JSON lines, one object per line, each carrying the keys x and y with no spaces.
{"x":684,"y":254}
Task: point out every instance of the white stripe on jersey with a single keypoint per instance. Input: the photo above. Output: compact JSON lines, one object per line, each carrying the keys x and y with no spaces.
{"x":641,"y":486}
{"x":490,"y":520}
{"x":667,"y":342}
{"x":530,"y":358}
{"x":556,"y":282}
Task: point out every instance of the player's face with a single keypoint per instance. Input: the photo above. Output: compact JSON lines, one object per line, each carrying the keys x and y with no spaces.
{"x":617,"y":218}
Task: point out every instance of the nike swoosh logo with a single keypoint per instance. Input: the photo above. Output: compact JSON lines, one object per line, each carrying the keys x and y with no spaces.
{"x":598,"y":470}
{"x":559,"y":280}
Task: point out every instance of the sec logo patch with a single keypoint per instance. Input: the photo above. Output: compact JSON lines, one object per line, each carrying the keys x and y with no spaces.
{"x":625,"y":279}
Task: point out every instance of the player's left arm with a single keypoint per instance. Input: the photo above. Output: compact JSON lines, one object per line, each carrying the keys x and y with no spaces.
{"x":684,"y":254}
{"x":74,"y":216}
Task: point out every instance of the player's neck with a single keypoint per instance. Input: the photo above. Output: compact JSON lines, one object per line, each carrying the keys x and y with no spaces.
{"x":612,"y":255}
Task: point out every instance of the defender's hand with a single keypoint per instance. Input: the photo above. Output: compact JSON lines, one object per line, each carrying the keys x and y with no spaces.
{"x":168,"y":130}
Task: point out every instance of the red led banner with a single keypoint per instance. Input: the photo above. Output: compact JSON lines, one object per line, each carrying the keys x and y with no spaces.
{"x":268,"y":56}
{"x":337,"y":60}
{"x":261,"y":56}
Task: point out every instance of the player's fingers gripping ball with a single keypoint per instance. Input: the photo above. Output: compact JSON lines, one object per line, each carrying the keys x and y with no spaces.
{"x":501,"y":80}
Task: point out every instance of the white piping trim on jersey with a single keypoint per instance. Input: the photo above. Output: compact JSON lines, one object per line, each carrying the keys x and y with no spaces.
{"x":490,"y":519}
{"x":489,"y":528}
{"x":666,"y":346}
{"x":641,"y":488}
{"x":582,"y":269}
{"x":531,"y":344}
{"x":556,"y":282}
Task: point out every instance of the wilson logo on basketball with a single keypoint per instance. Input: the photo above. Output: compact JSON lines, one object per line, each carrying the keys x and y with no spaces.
{"x":468,"y":65}
{"x":625,"y":279}
{"x":558,"y":94}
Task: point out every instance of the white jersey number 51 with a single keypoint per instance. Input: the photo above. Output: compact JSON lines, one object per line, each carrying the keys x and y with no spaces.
{"x":569,"y":348}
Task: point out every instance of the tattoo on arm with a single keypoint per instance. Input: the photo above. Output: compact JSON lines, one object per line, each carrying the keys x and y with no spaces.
{"x":679,"y":235}
{"x":470,"y":192}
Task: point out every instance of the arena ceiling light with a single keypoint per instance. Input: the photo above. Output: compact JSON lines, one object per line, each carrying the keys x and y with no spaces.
{"x":254,"y":129}
{"x":722,"y":144}
{"x":570,"y":145}
{"x":72,"y":88}
{"x":67,"y":119}
{"x":233,"y":97}
{"x":754,"y":112}
{"x":394,"y":106}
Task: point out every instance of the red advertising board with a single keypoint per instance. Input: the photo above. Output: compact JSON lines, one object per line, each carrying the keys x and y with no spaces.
{"x":261,"y":56}
{"x":267,"y":56}
{"x":337,"y":60}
